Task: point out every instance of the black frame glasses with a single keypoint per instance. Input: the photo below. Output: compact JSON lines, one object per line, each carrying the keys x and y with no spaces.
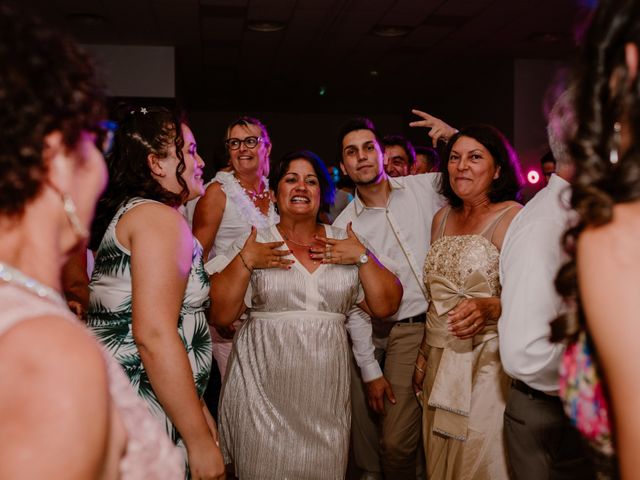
{"x":249,"y":142}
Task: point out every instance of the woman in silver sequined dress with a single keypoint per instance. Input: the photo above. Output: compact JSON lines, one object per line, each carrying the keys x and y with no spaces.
{"x":285,"y":408}
{"x":458,"y":374}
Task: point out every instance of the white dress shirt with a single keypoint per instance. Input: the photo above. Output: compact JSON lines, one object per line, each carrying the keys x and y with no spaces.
{"x":401,"y":233}
{"x":531,"y":256}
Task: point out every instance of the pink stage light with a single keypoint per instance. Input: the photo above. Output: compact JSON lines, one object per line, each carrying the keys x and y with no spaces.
{"x":533,"y":177}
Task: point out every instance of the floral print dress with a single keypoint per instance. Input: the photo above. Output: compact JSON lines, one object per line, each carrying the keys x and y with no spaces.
{"x":110,"y":317}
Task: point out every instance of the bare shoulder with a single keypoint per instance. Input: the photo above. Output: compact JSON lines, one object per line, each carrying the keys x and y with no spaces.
{"x":151,"y":219}
{"x":512,"y":209}
{"x":437,"y":220}
{"x":214,"y":195}
{"x":53,"y":385}
{"x":616,"y":241}
{"x":512,"y":206}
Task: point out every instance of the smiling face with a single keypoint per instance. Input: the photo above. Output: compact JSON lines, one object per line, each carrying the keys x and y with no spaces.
{"x":362,"y":157}
{"x":193,"y":164}
{"x":471,"y":169}
{"x":396,"y":161}
{"x":245,"y":160}
{"x":298,"y":191}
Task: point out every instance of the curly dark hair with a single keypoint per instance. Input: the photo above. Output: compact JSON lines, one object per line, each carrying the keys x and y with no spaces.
{"x":327,"y":187}
{"x":508,"y":185}
{"x":141,"y":131}
{"x":47,"y":84}
{"x":598,"y":184}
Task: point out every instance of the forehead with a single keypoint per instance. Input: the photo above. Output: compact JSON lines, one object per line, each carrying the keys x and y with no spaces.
{"x":396,"y":151}
{"x":468,"y":144}
{"x":358,"y":137}
{"x":243,"y":131}
{"x":301,"y":167}
{"x":187,"y":135}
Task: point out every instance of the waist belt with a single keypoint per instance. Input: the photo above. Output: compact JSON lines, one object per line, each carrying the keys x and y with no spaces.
{"x":420,"y":318}
{"x":532,"y":392}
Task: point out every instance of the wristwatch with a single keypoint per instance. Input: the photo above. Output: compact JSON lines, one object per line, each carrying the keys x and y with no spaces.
{"x":364,"y":258}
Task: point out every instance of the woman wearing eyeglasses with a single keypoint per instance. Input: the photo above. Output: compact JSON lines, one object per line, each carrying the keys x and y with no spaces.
{"x":235,"y":201}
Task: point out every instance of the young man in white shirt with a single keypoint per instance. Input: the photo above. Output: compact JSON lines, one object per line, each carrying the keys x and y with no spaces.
{"x":394,"y":216}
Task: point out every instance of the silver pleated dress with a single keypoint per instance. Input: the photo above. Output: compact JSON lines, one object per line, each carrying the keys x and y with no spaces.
{"x":285,"y":406}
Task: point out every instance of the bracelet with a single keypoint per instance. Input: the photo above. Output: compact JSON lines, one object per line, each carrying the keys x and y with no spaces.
{"x":245,"y":263}
{"x":418,"y":368}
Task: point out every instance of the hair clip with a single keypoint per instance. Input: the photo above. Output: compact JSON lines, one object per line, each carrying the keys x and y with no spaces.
{"x":143,"y":110}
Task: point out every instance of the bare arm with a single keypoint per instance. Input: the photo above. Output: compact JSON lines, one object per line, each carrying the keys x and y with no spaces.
{"x":75,"y":284}
{"x":161,"y":254}
{"x":208,"y":216}
{"x":53,"y":390}
{"x":608,"y":277}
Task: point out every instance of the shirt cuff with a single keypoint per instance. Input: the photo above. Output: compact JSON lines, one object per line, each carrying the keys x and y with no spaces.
{"x":371,"y":371}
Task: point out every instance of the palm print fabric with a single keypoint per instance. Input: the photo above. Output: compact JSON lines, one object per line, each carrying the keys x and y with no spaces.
{"x":110,"y":317}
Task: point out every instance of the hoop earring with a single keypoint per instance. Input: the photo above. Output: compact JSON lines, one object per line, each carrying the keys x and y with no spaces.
{"x":614,"y":156}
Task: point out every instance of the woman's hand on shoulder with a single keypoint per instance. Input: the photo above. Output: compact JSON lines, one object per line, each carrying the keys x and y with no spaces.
{"x":343,"y":252}
{"x":256,"y":254}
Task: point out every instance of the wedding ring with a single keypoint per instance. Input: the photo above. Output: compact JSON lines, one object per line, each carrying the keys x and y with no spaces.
{"x":328,"y":254}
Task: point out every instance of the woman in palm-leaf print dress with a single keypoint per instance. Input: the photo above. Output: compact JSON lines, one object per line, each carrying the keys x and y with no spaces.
{"x":149,"y":289}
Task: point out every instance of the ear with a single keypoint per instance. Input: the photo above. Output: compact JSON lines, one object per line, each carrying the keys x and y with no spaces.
{"x":497,"y":174}
{"x":631,"y":59}
{"x":155,"y":165}
{"x":343,"y":170}
{"x":56,"y":155}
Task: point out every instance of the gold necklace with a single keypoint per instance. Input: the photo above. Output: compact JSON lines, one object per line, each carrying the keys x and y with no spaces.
{"x":288,"y":239}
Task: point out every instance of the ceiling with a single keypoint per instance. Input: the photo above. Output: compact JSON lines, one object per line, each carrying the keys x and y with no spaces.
{"x":326,"y":45}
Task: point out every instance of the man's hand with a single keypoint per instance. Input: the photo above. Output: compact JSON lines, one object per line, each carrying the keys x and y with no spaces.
{"x":438,"y":129}
{"x":472,"y":314}
{"x":376,"y":390}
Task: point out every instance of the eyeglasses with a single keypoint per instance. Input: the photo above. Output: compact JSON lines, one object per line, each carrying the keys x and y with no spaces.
{"x":249,"y":142}
{"x":104,"y":135}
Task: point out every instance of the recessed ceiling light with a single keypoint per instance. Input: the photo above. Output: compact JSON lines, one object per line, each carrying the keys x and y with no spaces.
{"x":265,"y":26}
{"x":373,"y":73}
{"x":390,"y":31}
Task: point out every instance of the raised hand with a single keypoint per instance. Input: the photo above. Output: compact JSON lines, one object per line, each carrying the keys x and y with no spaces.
{"x":439,"y":130}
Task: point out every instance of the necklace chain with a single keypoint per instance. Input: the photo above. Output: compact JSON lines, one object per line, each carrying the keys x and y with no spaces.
{"x":288,"y":239}
{"x":15,"y":277}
